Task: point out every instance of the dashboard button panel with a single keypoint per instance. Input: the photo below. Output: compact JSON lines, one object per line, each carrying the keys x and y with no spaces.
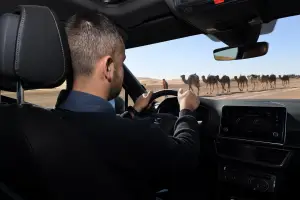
{"x":252,"y":180}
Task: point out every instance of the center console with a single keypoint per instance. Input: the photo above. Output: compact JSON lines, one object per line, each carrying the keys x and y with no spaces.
{"x":249,"y":146}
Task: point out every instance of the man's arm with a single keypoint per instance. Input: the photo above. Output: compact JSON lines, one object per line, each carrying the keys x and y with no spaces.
{"x":141,"y":103}
{"x":184,"y":147}
{"x":162,"y":157}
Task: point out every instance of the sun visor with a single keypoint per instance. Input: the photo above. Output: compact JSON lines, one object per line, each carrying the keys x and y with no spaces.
{"x":267,"y":28}
{"x":228,"y":20}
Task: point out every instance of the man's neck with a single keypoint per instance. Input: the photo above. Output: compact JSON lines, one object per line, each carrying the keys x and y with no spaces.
{"x":92,"y":92}
{"x":86,"y":87}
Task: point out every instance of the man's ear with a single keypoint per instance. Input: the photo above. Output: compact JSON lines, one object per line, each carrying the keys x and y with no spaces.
{"x":109,"y":62}
{"x":104,"y":68}
{"x":108,"y":68}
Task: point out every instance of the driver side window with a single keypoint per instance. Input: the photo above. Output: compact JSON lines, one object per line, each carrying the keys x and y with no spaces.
{"x":47,"y":97}
{"x":42,"y":97}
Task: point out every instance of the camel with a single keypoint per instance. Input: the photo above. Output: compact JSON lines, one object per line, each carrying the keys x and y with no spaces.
{"x":264,"y":79}
{"x":193,"y":79}
{"x":285,"y":80}
{"x":204,"y":81}
{"x":211,"y":81}
{"x":242,"y":80}
{"x":165,"y":85}
{"x":224,"y":80}
{"x":272,"y":81}
{"x":254,"y":80}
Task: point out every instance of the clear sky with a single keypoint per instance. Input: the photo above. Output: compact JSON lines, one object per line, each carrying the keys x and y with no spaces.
{"x":194,"y":55}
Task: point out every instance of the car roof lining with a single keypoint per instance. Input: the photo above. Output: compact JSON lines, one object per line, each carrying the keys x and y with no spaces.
{"x":139,"y":18}
{"x":131,"y":16}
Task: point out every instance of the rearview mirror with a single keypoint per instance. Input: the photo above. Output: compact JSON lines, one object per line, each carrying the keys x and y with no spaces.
{"x":243,"y":52}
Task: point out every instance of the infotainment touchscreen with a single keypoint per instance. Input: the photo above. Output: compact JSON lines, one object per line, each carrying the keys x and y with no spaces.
{"x":264,"y":124}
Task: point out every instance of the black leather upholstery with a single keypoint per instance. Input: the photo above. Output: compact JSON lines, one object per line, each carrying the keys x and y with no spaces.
{"x":42,"y":156}
{"x":33,"y":49}
{"x":39,"y":151}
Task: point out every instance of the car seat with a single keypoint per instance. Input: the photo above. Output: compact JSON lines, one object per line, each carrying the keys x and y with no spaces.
{"x":42,"y":156}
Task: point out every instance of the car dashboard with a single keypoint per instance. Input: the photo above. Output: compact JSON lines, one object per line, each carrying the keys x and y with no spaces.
{"x":252,"y":146}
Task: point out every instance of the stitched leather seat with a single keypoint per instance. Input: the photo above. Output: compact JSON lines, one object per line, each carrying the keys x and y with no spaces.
{"x":41,"y":155}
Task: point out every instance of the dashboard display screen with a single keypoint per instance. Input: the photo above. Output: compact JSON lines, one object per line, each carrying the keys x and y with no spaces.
{"x":264,"y":124}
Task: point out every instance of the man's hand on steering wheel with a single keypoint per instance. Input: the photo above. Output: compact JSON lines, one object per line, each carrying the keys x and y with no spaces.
{"x":143,"y":101}
{"x":187,"y":100}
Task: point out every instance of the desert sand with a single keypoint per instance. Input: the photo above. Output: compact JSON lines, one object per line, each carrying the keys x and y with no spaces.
{"x":47,"y":97}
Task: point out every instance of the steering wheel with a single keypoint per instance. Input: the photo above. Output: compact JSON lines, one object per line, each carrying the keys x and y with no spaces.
{"x":166,"y":121}
{"x":161,"y":93}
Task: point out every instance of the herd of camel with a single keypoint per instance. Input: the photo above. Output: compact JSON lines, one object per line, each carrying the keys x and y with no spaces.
{"x":264,"y":81}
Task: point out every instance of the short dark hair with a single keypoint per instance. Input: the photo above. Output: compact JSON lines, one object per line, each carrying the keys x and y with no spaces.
{"x":90,"y":38}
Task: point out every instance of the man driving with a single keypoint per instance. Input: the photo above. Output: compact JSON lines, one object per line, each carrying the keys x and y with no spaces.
{"x":136,"y":157}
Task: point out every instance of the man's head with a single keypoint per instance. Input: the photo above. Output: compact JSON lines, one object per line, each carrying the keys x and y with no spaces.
{"x":98,"y":52}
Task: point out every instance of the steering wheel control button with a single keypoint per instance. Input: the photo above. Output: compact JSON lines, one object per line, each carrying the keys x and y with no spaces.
{"x":257,"y":122}
{"x":157,"y":120}
{"x":275,"y":134}
{"x":225,"y":129}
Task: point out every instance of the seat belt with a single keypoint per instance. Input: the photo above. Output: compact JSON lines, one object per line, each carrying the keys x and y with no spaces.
{"x":9,"y":193}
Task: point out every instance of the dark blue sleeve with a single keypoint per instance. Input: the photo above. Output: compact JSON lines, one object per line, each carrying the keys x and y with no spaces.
{"x":166,"y":157}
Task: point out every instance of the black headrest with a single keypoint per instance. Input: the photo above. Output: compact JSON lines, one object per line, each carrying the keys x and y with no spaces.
{"x":33,"y":49}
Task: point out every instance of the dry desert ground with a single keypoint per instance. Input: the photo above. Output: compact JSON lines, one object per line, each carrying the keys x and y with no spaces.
{"x":47,"y":97}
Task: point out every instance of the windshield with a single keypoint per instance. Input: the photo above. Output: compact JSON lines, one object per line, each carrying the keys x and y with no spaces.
{"x":183,"y":61}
